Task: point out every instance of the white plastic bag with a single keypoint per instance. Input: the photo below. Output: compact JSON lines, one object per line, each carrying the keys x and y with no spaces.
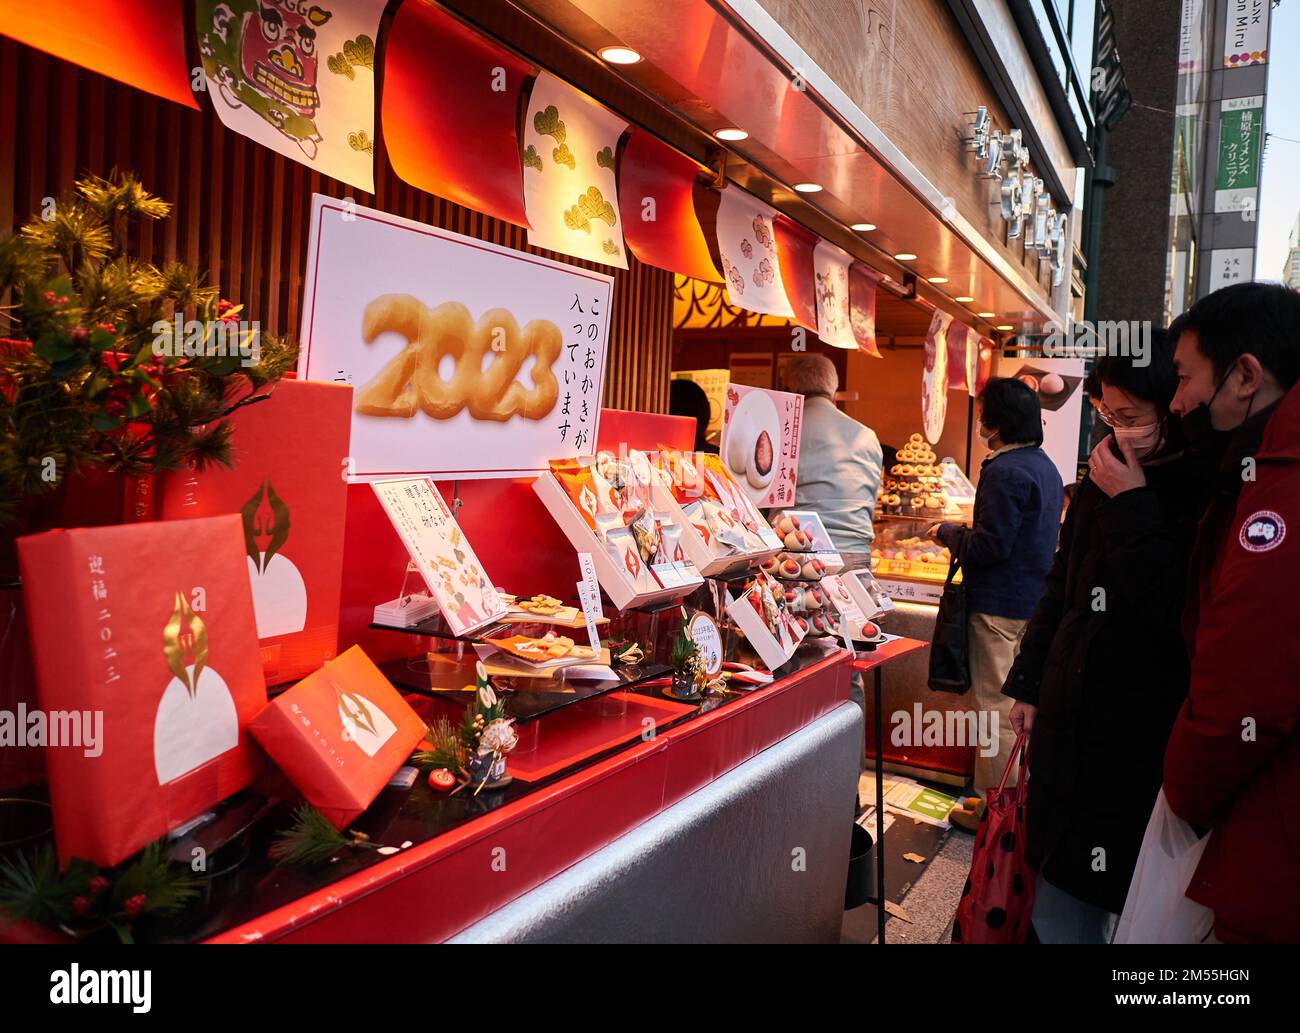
{"x":1156,"y":909}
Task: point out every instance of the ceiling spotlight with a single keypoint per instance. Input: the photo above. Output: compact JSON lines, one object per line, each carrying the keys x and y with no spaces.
{"x":731,"y":134}
{"x":620,"y":55}
{"x":863,"y":227}
{"x":937,"y":279}
{"x":986,"y":315}
{"x":905,"y":256}
{"x":807,"y":188}
{"x":963,"y":300}
{"x":1004,"y":326}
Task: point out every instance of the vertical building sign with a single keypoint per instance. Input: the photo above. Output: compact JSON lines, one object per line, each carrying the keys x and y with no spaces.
{"x":1245,"y":37}
{"x":1241,"y":126}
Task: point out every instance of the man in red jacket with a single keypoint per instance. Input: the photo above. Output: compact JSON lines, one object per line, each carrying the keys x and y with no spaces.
{"x":1233,"y":760}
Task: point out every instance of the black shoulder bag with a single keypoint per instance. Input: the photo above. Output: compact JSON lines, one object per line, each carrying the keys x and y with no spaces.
{"x":949,"y":654}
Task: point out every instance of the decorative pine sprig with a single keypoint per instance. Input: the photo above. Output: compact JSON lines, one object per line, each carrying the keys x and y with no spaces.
{"x":312,"y":840}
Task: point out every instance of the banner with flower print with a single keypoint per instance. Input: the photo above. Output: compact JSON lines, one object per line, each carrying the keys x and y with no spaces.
{"x":297,"y":76}
{"x":570,"y":190}
{"x":747,"y":244}
{"x":934,"y":379}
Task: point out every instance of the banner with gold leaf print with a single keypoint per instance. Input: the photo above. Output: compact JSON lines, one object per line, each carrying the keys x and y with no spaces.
{"x":570,"y":190}
{"x":297,"y":76}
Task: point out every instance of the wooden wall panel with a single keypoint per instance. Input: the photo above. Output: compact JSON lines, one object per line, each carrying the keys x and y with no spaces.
{"x":242,"y":212}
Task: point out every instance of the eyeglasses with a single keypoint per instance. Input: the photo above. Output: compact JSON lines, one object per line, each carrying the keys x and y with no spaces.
{"x":1109,"y":418}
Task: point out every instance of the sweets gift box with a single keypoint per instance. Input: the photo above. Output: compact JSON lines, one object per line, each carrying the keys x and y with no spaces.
{"x":339,"y":734}
{"x":723,"y":531}
{"x":607,"y":506}
{"x":288,"y":487}
{"x":147,"y":672}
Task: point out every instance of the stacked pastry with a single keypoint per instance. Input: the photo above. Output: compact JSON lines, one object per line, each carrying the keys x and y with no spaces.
{"x":800,"y":573}
{"x":914,"y":484}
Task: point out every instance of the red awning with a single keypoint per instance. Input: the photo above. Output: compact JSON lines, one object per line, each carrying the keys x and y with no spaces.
{"x":450,"y":105}
{"x":138,"y":42}
{"x":794,"y":249}
{"x":862,"y":307}
{"x":656,"y":199}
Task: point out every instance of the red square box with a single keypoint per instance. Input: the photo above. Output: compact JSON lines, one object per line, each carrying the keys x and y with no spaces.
{"x":288,"y":487}
{"x":146,"y":653}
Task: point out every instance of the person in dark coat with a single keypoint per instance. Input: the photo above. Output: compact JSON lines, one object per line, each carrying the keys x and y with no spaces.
{"x":1102,"y":669}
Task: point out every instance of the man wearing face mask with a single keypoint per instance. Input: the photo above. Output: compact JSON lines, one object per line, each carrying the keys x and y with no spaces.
{"x":1233,"y":761}
{"x":1102,"y":668}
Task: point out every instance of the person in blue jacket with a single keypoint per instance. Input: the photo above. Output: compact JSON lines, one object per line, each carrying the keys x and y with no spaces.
{"x":1005,"y":555}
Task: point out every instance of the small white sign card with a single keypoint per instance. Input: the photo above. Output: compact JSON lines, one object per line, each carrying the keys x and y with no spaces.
{"x":435,"y":542}
{"x":589,"y":596}
{"x":469,"y":359}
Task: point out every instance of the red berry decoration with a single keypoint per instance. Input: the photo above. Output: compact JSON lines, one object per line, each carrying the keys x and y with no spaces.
{"x":134,"y":905}
{"x":81,"y":905}
{"x":97,"y":885}
{"x":441,"y":780}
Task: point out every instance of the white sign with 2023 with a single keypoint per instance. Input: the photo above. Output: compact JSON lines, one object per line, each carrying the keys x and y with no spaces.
{"x":468,"y":359}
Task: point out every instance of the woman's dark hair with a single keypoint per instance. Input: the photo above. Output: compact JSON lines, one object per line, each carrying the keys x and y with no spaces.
{"x":1155,"y":381}
{"x":1011,"y":408}
{"x":687,"y":398}
{"x":1260,"y":319}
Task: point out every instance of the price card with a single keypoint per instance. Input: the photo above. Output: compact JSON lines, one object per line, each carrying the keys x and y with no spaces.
{"x":589,"y":596}
{"x":708,"y":639}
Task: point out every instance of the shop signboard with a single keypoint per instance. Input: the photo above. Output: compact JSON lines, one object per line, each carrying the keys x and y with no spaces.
{"x":760,"y":442}
{"x":1245,"y":37}
{"x":468,"y":359}
{"x":1241,"y":132}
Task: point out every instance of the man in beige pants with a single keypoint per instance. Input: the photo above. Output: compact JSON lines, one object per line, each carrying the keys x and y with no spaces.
{"x":1005,"y":555}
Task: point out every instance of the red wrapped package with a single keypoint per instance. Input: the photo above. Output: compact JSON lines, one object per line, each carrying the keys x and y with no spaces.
{"x":339,"y":734}
{"x":288,"y":487}
{"x":147,"y":674}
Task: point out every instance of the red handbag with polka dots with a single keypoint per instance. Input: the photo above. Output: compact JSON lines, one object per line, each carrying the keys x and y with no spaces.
{"x":997,"y":901}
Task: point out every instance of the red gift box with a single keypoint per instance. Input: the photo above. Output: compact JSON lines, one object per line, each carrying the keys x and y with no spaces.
{"x":146,"y":655}
{"x":339,"y":735}
{"x":288,"y":487}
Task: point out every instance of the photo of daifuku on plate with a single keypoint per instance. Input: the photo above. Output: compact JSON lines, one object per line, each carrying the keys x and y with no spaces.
{"x":753,"y":442}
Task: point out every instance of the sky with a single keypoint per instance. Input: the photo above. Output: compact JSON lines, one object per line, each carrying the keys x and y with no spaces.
{"x":1279,"y":201}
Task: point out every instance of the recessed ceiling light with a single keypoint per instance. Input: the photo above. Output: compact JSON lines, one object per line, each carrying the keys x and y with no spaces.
{"x":986,"y":315}
{"x":905,"y":256}
{"x":808,"y":188}
{"x":620,"y":55}
{"x":1004,"y":326}
{"x":938,"y":279}
{"x":731,"y":134}
{"x":863,"y":227}
{"x":964,"y":300}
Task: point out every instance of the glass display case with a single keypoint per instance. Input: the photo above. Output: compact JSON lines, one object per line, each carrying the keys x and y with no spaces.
{"x":918,"y":491}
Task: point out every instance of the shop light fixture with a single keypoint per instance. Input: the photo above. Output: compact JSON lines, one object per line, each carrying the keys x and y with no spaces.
{"x":619,"y":55}
{"x":963,"y":299}
{"x":863,"y":227}
{"x":986,"y":315}
{"x":807,"y":188}
{"x":937,"y":279}
{"x":905,"y":256}
{"x":731,"y":134}
{"x":1004,"y":326}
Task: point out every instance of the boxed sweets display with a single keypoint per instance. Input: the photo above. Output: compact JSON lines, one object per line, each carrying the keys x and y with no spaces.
{"x":288,"y":487}
{"x":807,"y":532}
{"x":148,"y":628}
{"x":799,"y":571}
{"x":724,"y":531}
{"x":761,"y":614}
{"x":607,"y":507}
{"x":339,"y":734}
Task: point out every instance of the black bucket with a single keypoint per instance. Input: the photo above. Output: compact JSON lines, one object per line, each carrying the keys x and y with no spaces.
{"x":861,"y":885}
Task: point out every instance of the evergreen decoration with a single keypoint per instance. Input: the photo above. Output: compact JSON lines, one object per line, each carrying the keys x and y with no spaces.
{"x":83,"y":897}
{"x":312,"y":840}
{"x":86,"y":380}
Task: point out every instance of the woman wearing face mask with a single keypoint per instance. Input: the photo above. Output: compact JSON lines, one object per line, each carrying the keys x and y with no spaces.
{"x":1102,"y":668}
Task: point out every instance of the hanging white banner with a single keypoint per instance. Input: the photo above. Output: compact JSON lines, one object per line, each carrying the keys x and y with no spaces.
{"x":748,"y":248}
{"x":570,"y":190}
